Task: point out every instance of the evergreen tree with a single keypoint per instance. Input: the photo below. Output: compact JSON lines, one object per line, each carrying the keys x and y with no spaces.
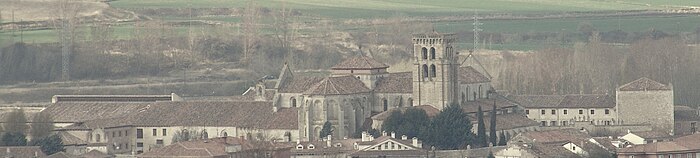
{"x":492,"y":128}
{"x":449,"y":130}
{"x":14,"y":139}
{"x":49,"y":145}
{"x":415,"y":120}
{"x":481,"y":138}
{"x":42,"y":125}
{"x":393,"y":122}
{"x":16,"y":122}
{"x":502,"y":141}
{"x":326,"y":130}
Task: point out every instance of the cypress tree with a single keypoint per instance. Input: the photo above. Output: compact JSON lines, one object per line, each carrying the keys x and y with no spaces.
{"x":503,"y":140}
{"x":481,"y":138}
{"x":449,"y":130}
{"x":326,"y":130}
{"x":492,"y":128}
{"x":393,"y":122}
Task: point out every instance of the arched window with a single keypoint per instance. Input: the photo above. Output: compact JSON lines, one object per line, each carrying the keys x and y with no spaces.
{"x":293,"y":102}
{"x":97,"y":138}
{"x":410,"y":101}
{"x":480,"y":96}
{"x":225,"y":134}
{"x":424,"y":53}
{"x":463,"y":98}
{"x":432,"y":53}
{"x":386,"y":104}
{"x":425,"y":71}
{"x":432,"y":70}
{"x":205,"y":135}
{"x":467,"y":91}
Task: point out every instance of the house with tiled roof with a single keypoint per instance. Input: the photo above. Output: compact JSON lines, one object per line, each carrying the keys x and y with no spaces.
{"x":557,"y":143}
{"x":368,"y":146}
{"x":644,"y":137}
{"x":222,"y":147}
{"x":686,"y":120}
{"x":572,"y":110}
{"x":686,"y":146}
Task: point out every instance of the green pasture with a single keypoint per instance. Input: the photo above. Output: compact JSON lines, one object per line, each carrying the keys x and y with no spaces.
{"x":627,"y":24}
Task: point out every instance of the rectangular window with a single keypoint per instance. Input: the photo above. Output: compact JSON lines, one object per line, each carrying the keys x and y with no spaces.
{"x":564,"y":123}
{"x":554,"y":112}
{"x":155,"y":132}
{"x":139,"y":133}
{"x":165,"y":132}
{"x":527,"y":112}
{"x":592,"y":112}
{"x":607,"y":111}
{"x":580,"y":111}
{"x":542,"y":111}
{"x":159,"y":142}
{"x":114,"y":134}
{"x":139,"y":145}
{"x":126,"y":133}
{"x":566,"y":112}
{"x":553,"y":123}
{"x":543,"y":123}
{"x":120,"y":133}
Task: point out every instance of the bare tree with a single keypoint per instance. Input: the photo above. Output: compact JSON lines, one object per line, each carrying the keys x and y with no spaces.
{"x":67,"y":21}
{"x":249,"y":26}
{"x":16,"y":122}
{"x":284,"y":31}
{"x":42,"y":125}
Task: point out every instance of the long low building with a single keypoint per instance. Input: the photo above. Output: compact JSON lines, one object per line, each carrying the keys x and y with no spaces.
{"x":121,"y":128}
{"x":569,"y":110}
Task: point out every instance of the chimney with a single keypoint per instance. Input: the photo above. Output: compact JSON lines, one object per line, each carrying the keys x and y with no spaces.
{"x":404,"y":137}
{"x":384,"y":133}
{"x":393,"y":135}
{"x":365,"y":137}
{"x":274,"y":109}
{"x":490,"y":144}
{"x":415,"y":142}
{"x":328,"y":141}
{"x":469,"y":146}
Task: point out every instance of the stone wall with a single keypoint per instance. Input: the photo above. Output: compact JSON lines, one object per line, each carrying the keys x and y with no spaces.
{"x":646,"y":107}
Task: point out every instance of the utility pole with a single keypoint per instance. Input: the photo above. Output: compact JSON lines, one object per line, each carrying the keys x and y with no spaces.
{"x":476,"y":30}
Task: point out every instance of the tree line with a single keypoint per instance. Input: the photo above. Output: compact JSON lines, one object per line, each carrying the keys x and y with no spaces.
{"x":14,"y":132}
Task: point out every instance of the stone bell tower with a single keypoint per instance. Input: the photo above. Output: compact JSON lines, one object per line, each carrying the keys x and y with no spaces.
{"x":434,"y":70}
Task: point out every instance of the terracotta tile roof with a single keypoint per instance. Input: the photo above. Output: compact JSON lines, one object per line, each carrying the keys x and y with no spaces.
{"x":430,"y":110}
{"x":70,"y":139}
{"x":690,"y":142}
{"x":299,"y":84}
{"x":248,"y":114}
{"x":468,"y":75}
{"x":199,"y":148}
{"x":564,"y":101}
{"x":644,"y":84}
{"x":652,"y":134}
{"x":94,"y":154}
{"x":337,"y":86}
{"x":478,"y":152}
{"x":383,"y":139}
{"x":487,"y":104}
{"x":507,"y":121}
{"x":360,"y":62}
{"x":388,"y":153}
{"x":555,"y":136}
{"x":395,"y":83}
{"x":61,"y":155}
{"x":112,"y":98}
{"x":552,"y":151}
{"x":606,"y":143}
{"x":320,"y":147}
{"x":21,"y":151}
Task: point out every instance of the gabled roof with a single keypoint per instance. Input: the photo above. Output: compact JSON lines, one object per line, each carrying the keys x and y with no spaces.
{"x":338,"y":85}
{"x":61,"y":155}
{"x":299,"y":84}
{"x":469,"y":75}
{"x":685,"y":143}
{"x":395,"y":83}
{"x":70,"y":139}
{"x":651,"y":134}
{"x":201,"y":148}
{"x":644,"y":84}
{"x":487,"y":104}
{"x":359,"y":63}
{"x":94,"y":154}
{"x":507,"y":121}
{"x":564,"y":101}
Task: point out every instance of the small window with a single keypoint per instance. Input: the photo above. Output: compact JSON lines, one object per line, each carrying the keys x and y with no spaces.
{"x":580,"y":112}
{"x":543,"y":123}
{"x":139,"y":133}
{"x":98,"y":138}
{"x":300,"y":146}
{"x":155,"y":132}
{"x":542,"y":111}
{"x":566,"y":112}
{"x":527,"y":112}
{"x":120,"y":133}
{"x":432,"y":71}
{"x":554,"y":112}
{"x":607,"y":111}
{"x":114,"y":134}
{"x":159,"y":142}
{"x":553,"y":123}
{"x":592,"y":112}
{"x":311,"y":146}
{"x":126,"y":133}
{"x":139,"y":145}
{"x":165,"y":132}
